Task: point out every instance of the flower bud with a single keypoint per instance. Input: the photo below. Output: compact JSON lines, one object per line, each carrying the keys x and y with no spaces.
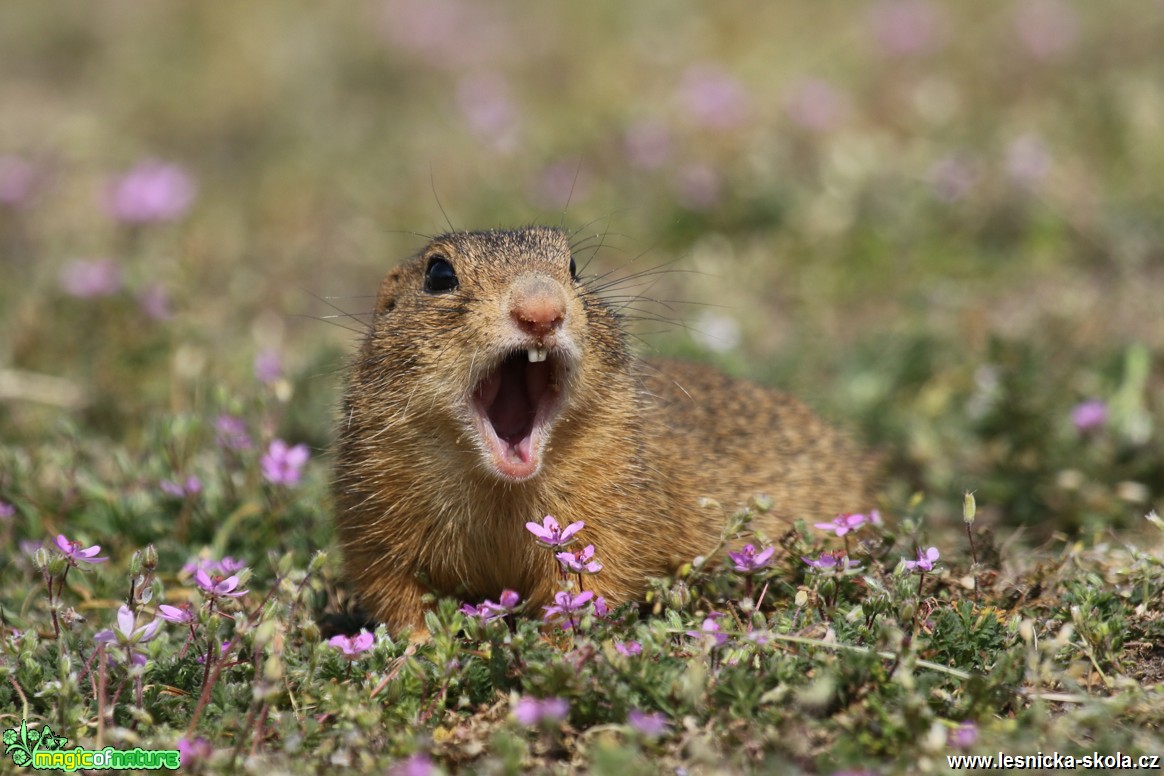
{"x":150,"y":559}
{"x":968,"y":507}
{"x":145,"y":593}
{"x":135,"y":561}
{"x":828,"y":587}
{"x":317,"y":562}
{"x":56,"y":563}
{"x":40,"y":558}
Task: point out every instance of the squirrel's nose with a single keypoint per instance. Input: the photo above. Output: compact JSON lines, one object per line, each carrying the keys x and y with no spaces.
{"x":537,"y":305}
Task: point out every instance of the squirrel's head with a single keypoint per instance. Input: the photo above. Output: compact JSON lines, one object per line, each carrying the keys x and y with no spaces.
{"x":492,"y":336}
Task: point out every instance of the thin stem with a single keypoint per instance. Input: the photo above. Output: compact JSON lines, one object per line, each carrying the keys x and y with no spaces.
{"x":974,"y":557}
{"x":48,"y":581}
{"x":23,"y":697}
{"x":920,"y":581}
{"x":204,"y":698}
{"x":763,"y":592}
{"x":258,"y":737}
{"x":242,"y":738}
{"x":102,"y":686}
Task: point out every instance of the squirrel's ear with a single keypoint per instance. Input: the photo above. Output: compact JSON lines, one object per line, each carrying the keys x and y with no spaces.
{"x":389,"y":287}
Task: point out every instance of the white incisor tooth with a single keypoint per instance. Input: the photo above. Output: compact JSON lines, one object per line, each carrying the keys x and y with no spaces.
{"x":537,"y":354}
{"x":533,"y":355}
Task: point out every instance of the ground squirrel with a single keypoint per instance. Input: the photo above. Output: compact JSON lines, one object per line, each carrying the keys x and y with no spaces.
{"x":494,"y":388}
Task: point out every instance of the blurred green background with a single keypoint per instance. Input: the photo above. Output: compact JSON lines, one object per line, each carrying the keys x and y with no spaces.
{"x":939,"y":223}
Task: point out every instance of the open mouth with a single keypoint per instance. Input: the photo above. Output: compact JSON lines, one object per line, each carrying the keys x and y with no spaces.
{"x":512,"y":407}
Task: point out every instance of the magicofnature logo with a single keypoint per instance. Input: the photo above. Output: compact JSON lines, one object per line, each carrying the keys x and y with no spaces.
{"x":45,"y":750}
{"x":22,"y":744}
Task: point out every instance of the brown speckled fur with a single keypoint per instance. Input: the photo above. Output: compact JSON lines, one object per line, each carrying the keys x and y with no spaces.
{"x":636,"y":449}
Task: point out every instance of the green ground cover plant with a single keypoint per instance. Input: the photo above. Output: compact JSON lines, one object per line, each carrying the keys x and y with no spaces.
{"x":939,"y":225}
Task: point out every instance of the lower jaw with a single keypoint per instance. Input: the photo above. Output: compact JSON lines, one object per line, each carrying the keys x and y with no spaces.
{"x":504,"y":465}
{"x":515,"y":473}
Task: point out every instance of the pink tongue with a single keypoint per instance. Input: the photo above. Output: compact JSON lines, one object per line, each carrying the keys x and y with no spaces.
{"x":520,"y":389}
{"x":511,"y":413}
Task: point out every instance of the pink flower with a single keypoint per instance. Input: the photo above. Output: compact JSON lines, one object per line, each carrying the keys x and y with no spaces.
{"x":419,"y":764}
{"x":152,"y":191}
{"x":567,"y":607}
{"x":191,"y":751}
{"x":712,"y":629}
{"x":228,"y":565}
{"x":1089,"y":415}
{"x":553,"y":535}
{"x":268,"y":366}
{"x":7,"y":511}
{"x":581,"y":561}
{"x":531,"y":711}
{"x":713,"y":97}
{"x":179,"y":614}
{"x":352,"y":646}
{"x":843,"y":524}
{"x":457,"y":35}
{"x":629,"y":648}
{"x":925,"y":560}
{"x":488,"y":611}
{"x":78,"y":554}
{"x":963,"y":736}
{"x":87,"y":279}
{"x":489,"y":110}
{"x":191,"y":487}
{"x":283,"y":465}
{"x":650,"y":724}
{"x":218,"y":586}
{"x":815,"y":105}
{"x":154,"y":301}
{"x":1046,"y":28}
{"x":748,"y":561}
{"x":231,"y":433}
{"x":18,"y":180}
{"x":223,"y":650}
{"x":906,"y":28}
{"x":129,"y":635}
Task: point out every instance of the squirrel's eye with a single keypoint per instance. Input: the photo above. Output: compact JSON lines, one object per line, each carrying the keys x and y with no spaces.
{"x":573,"y":269}
{"x":439,"y":277}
